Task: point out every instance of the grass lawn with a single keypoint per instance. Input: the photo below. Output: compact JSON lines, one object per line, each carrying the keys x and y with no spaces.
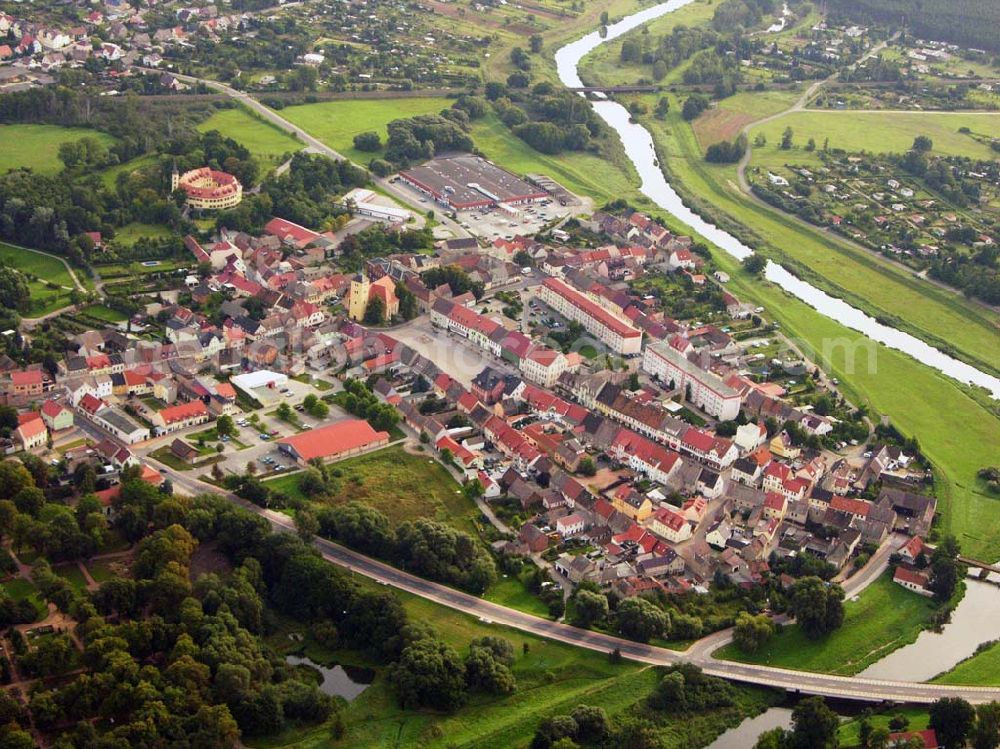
{"x":552,"y":678}
{"x":880,"y":132}
{"x":102,"y":570}
{"x":105,"y":313}
{"x":20,"y":589}
{"x":510,"y":592}
{"x":401,"y":485}
{"x":982,"y":669}
{"x":128,"y":234}
{"x":337,"y":122}
{"x":850,"y":731}
{"x":47,"y":269}
{"x":37,"y":146}
{"x":109,"y":176}
{"x":72,"y":573}
{"x":885,"y":617}
{"x":265,"y":141}
{"x":165,"y":456}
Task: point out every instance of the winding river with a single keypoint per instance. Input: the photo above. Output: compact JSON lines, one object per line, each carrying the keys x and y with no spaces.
{"x":638,"y":145}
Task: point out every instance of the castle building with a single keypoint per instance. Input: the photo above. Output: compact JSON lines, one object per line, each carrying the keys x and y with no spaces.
{"x":208,"y":189}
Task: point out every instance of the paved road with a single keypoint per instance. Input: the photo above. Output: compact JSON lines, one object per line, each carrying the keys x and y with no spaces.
{"x":869,"y":690}
{"x":411,"y":199}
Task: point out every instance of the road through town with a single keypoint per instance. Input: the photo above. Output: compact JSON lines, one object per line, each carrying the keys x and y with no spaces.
{"x":699,"y":654}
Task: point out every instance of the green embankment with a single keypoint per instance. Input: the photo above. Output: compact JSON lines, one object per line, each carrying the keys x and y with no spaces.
{"x":884,"y":617}
{"x":48,"y":272}
{"x":983,"y":669}
{"x":940,"y":316}
{"x":552,"y":678}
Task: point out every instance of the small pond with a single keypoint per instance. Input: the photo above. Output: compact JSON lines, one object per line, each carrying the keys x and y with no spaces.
{"x":342,"y":681}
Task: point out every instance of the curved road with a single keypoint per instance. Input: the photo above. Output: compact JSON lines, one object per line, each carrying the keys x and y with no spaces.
{"x":699,"y":654}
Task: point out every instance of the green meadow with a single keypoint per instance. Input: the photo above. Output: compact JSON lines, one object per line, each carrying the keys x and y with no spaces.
{"x":37,"y":146}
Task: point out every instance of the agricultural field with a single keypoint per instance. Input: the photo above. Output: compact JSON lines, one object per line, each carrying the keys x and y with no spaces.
{"x":727,"y":119}
{"x":37,"y":146}
{"x":264,"y":140}
{"x":399,"y":484}
{"x":875,"y":132}
{"x":884,"y":617}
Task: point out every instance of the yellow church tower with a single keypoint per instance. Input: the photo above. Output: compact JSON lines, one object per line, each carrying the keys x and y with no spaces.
{"x":360,"y":288}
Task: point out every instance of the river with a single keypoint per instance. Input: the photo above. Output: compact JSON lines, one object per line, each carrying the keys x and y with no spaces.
{"x":638,"y":144}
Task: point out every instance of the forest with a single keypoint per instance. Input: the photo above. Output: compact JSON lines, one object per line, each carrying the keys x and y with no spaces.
{"x":972,"y":23}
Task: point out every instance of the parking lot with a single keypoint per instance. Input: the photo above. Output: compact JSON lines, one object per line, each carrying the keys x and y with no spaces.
{"x":492,"y":223}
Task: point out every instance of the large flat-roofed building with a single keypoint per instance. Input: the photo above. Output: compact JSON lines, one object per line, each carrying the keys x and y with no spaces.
{"x":612,"y":331}
{"x":463,"y":182}
{"x":340,"y":440}
{"x":708,"y":391}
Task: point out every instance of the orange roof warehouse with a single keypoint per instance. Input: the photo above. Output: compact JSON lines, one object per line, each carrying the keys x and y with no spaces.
{"x":334,"y":441}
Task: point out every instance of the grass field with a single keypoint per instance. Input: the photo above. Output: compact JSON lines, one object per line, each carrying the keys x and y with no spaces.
{"x":73,"y":575}
{"x":48,"y":270}
{"x":849,"y":732}
{"x":105,"y":313}
{"x":109,"y":176}
{"x":877,"y":132}
{"x":101,"y":570}
{"x":264,"y":140}
{"x":552,"y":678}
{"x":128,"y":234}
{"x":727,"y":119}
{"x":37,"y":146}
{"x":981,"y":669}
{"x":337,"y":122}
{"x":883,"y":618}
{"x":401,"y":485}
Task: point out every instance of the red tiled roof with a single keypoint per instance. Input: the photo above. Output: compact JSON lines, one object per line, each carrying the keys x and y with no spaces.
{"x":32,"y":428}
{"x":334,"y":439}
{"x":28,"y":416}
{"x":188,"y":410}
{"x":906,"y":575}
{"x":591,"y":309}
{"x":283,"y":229}
{"x":29,"y":377}
{"x":669,"y":518}
{"x":851,"y":506}
{"x":52,"y":408}
{"x":225,"y":390}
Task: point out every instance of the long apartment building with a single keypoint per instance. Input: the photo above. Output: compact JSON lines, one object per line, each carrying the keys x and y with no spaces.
{"x":708,"y":391}
{"x":612,"y":331}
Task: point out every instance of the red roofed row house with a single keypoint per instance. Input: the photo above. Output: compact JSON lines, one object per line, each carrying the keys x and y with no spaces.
{"x":181,"y":416}
{"x":538,"y":363}
{"x":612,"y":331}
{"x":511,"y":443}
{"x":649,"y":458}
